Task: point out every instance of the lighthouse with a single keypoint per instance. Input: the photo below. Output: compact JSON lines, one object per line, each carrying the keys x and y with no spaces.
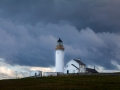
{"x":59,"y":57}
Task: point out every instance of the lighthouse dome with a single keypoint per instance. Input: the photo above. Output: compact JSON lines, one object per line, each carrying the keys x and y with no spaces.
{"x":59,"y":40}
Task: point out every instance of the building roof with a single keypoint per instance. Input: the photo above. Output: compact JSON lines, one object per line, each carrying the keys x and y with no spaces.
{"x":91,"y":70}
{"x":78,"y":61}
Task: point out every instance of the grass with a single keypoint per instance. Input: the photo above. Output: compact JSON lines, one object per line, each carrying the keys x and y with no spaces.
{"x":63,"y":83}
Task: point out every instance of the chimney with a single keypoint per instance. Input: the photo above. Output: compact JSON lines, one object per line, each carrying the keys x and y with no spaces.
{"x":78,"y":59}
{"x":94,"y":67}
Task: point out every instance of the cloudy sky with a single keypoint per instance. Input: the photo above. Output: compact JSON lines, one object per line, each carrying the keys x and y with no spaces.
{"x":29,"y":30}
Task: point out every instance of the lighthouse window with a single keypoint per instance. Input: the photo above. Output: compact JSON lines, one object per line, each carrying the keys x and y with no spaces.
{"x":59,"y":43}
{"x":57,"y":52}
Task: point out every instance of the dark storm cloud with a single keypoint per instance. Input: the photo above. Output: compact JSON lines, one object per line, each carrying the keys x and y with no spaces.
{"x":29,"y":31}
{"x":35,"y":45}
{"x":100,"y":15}
{"x":20,"y":46}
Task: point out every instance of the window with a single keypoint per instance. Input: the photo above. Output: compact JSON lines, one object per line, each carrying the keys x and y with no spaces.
{"x":73,"y":71}
{"x":81,"y":66}
{"x":59,"y":43}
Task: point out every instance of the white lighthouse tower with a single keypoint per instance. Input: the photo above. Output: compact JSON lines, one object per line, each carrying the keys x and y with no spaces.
{"x":59,"y":57}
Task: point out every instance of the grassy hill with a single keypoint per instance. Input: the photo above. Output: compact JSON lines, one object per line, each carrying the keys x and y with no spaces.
{"x":63,"y":83}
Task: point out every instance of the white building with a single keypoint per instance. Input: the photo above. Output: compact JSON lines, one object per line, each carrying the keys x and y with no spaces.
{"x":50,"y":74}
{"x":75,"y":66}
{"x":59,"y":57}
{"x":36,"y":73}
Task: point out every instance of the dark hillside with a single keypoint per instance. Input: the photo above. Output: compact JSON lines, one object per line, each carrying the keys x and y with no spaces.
{"x":63,"y":83}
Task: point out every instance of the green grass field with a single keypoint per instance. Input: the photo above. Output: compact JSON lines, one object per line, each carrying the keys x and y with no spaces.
{"x":63,"y":83}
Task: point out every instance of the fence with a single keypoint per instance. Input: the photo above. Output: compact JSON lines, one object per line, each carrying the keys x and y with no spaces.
{"x":107,"y":74}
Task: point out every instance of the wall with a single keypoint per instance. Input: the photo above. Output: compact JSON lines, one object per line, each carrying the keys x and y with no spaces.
{"x":59,"y":61}
{"x":35,"y":73}
{"x":50,"y":74}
